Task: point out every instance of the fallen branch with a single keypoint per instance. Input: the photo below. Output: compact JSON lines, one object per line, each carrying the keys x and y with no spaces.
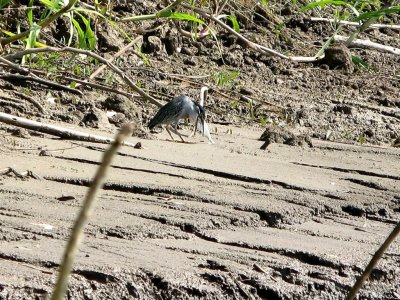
{"x":374,"y":260}
{"x":61,"y":132}
{"x":85,"y":213}
{"x":368,"y":44}
{"x":333,"y":21}
{"x":125,"y":78}
{"x":42,"y":81}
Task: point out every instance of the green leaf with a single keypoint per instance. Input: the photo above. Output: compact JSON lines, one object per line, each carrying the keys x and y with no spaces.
{"x":89,"y":35}
{"x":235,"y":23}
{"x":51,"y":4}
{"x":180,"y":16}
{"x":380,"y":13}
{"x":29,"y":13}
{"x":323,"y":3}
{"x":359,"y":62}
{"x":81,"y":34}
{"x":4,"y":3}
{"x":264,"y":3}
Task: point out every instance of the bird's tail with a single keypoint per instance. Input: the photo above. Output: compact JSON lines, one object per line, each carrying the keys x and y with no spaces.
{"x":152,"y":123}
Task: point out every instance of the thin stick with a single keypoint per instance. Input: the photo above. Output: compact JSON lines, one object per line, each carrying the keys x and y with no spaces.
{"x":259,"y":48}
{"x":333,"y":21}
{"x":84,"y":214}
{"x":96,"y":86}
{"x":368,"y":44}
{"x":56,"y":130}
{"x":118,"y":54}
{"x":377,"y":256}
{"x":42,"y":81}
{"x":127,"y":80}
{"x":31,"y":100}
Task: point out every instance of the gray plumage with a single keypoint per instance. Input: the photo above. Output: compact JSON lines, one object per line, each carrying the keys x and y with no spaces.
{"x":180,"y":107}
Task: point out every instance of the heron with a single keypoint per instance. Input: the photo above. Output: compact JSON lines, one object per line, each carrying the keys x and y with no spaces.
{"x":181,"y":107}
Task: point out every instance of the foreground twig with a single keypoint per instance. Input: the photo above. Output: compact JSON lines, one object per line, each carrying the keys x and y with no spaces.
{"x":56,"y":130}
{"x":127,"y":80}
{"x":377,"y":256}
{"x":84,"y":214}
{"x":368,"y":44}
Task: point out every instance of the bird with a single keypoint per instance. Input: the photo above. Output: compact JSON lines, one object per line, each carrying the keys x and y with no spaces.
{"x":181,"y":107}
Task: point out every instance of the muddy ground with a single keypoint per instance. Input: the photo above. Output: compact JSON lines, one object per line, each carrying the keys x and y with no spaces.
{"x":214,"y":221}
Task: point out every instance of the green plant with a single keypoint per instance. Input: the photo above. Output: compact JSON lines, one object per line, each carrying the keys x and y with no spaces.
{"x":223,"y":78}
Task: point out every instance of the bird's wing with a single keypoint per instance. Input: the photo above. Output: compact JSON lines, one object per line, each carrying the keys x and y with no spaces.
{"x":169,"y":113}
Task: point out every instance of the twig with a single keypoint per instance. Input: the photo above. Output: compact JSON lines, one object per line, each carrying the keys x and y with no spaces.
{"x":96,"y":56}
{"x":368,"y":44}
{"x":96,"y":86}
{"x":56,"y":130}
{"x":118,"y":54}
{"x":85,"y":213}
{"x":40,"y":80}
{"x":374,"y":260}
{"x":44,"y":23}
{"x":256,"y":47}
{"x":14,"y":66}
{"x":31,"y":100}
{"x":333,"y":21}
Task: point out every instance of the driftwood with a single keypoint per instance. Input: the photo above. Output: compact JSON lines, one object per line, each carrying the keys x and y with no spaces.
{"x":56,"y":130}
{"x":368,"y":44}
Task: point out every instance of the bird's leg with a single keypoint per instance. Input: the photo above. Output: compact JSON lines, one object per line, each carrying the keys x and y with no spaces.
{"x":169,"y":132}
{"x":176,"y":130}
{"x":195,"y":127}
